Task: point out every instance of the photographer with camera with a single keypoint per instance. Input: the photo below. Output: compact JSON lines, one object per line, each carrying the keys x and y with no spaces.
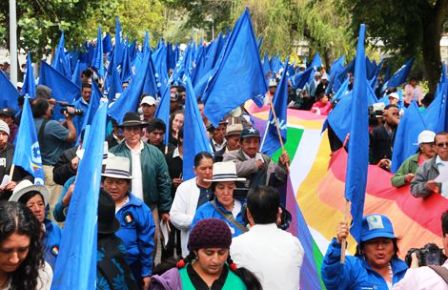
{"x":430,"y":275}
{"x":53,"y":139}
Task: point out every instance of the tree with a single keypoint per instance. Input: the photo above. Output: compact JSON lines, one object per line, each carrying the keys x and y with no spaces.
{"x":406,"y":27}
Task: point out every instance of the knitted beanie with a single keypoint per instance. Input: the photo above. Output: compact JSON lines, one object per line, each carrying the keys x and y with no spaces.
{"x":210,"y":233}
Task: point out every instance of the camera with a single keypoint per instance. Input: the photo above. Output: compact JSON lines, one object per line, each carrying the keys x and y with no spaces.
{"x":71,"y":110}
{"x":430,"y":254}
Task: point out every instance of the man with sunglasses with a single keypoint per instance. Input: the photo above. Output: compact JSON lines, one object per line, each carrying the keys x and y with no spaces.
{"x":424,"y":182}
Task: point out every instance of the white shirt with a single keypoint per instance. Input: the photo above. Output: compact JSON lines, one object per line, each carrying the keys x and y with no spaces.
{"x":273,"y":255}
{"x":444,"y":188}
{"x":183,"y":210}
{"x":137,"y":182}
{"x":422,"y":278}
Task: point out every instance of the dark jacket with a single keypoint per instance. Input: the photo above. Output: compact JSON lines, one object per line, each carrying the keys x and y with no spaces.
{"x":156,"y":179}
{"x":63,"y":170}
{"x":381,"y":144}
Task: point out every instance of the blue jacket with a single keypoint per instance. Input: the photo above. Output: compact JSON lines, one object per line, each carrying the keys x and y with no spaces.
{"x":207,"y":210}
{"x":137,"y":230}
{"x":59,"y":211}
{"x":355,"y":273}
{"x":51,"y":241}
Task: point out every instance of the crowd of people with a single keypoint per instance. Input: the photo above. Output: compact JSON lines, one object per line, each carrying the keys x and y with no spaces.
{"x":222,"y":229}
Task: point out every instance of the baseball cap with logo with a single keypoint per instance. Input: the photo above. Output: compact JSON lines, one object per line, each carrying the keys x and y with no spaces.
{"x":376,"y":226}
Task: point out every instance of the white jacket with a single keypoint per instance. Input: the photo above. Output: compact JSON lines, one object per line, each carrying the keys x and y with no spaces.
{"x":183,"y":210}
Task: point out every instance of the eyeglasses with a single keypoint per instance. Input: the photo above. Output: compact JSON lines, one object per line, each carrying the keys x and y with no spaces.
{"x":442,"y":145}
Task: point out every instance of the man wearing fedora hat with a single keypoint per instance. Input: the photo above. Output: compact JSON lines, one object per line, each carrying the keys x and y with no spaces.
{"x":151,"y":180}
{"x":256,"y":167}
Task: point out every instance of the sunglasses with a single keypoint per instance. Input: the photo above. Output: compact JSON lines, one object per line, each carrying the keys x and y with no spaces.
{"x":442,"y":145}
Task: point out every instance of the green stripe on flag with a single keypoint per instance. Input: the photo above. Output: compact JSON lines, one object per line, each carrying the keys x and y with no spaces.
{"x":293,"y":136}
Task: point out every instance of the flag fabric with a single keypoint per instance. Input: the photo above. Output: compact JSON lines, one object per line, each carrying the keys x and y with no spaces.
{"x":118,"y":48}
{"x":358,"y":144}
{"x":276,"y":64}
{"x":239,"y":75}
{"x":76,"y":264}
{"x":29,"y":84}
{"x":399,"y":76}
{"x":411,"y":124}
{"x":271,"y":139}
{"x":129,"y":99}
{"x":27,"y":152}
{"x":107,"y":43}
{"x":163,"y":111}
{"x":60,"y":61}
{"x":310,"y":277}
{"x":63,"y":89}
{"x":266,"y":65}
{"x":300,"y":79}
{"x":98,"y":58}
{"x":195,"y":134}
{"x":76,"y":76}
{"x":8,"y":93}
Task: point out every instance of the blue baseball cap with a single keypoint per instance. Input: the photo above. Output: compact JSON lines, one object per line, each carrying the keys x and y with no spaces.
{"x":376,"y":226}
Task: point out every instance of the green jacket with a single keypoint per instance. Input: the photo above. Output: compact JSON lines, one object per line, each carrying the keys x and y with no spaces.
{"x":156,"y":179}
{"x":410,"y":165}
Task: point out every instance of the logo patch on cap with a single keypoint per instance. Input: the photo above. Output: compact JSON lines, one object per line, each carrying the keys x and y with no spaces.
{"x":375,"y":222}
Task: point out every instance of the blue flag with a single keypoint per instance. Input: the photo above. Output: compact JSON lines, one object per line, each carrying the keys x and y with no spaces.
{"x":63,"y":89}
{"x":60,"y":61}
{"x":107,"y":43}
{"x":76,"y":76}
{"x":118,"y":48}
{"x":163,"y":111}
{"x":358,"y":145}
{"x":128,"y":101}
{"x":29,"y":84}
{"x":266,"y":66}
{"x":276,"y":64}
{"x":239,"y":75}
{"x":8,"y":93}
{"x":27,"y":152}
{"x":98,"y":59}
{"x":399,"y":76}
{"x":195,"y":134}
{"x":271,"y":141}
{"x":300,"y":79}
{"x":411,"y":124}
{"x":76,"y":264}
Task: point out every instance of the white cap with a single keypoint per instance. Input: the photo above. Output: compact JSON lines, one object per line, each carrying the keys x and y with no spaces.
{"x":272,"y":83}
{"x":4,"y":127}
{"x":425,"y":136}
{"x":394,"y":95}
{"x":317,"y":74}
{"x":19,"y":85}
{"x":324,"y":77}
{"x":148,"y":100}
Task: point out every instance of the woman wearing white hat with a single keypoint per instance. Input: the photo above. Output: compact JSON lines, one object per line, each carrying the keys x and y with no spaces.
{"x":224,"y":206}
{"x":35,"y":197}
{"x":136,"y":223}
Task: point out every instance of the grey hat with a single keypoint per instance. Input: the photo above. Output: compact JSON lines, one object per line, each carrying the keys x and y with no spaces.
{"x":26,"y":186}
{"x":4,"y":127}
{"x":43,"y":92}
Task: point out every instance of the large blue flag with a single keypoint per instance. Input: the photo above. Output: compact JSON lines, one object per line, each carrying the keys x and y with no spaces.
{"x":129,"y":99}
{"x":271,"y":139}
{"x":8,"y":93}
{"x":411,"y":124}
{"x":266,"y":66}
{"x":358,"y":145}
{"x":239,"y":75}
{"x":195,"y":134}
{"x":76,"y":76}
{"x":76,"y":264}
{"x":399,"y":76}
{"x":27,"y":152}
{"x":98,"y":59}
{"x":63,"y":89}
{"x":29,"y":84}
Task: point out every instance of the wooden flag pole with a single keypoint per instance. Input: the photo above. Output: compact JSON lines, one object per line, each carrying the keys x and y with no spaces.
{"x":346,"y":213}
{"x":11,"y":172}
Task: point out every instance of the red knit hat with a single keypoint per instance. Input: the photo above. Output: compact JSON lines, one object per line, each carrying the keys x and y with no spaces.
{"x":210,"y":233}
